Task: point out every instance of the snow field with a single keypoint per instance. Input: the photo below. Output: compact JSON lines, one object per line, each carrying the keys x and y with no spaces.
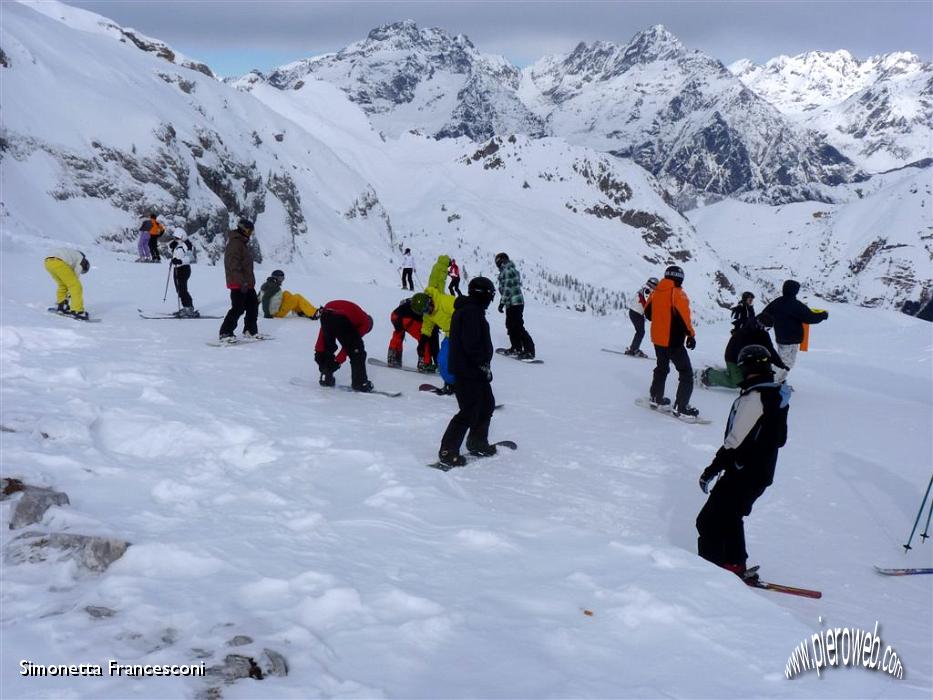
{"x":306,"y":520}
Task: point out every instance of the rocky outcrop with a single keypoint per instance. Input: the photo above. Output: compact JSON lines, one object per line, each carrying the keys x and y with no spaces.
{"x":92,"y":554}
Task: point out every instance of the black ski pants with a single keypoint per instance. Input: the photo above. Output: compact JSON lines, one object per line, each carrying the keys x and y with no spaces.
{"x":337,"y":328}
{"x":719,"y":525}
{"x":678,"y":355}
{"x":515,"y":327}
{"x":429,"y":347}
{"x":454,"y":287}
{"x":638,"y":321}
{"x":181,"y":274}
{"x":154,"y":248}
{"x":406,"y":279}
{"x":476,"y":403}
{"x":241,"y":302}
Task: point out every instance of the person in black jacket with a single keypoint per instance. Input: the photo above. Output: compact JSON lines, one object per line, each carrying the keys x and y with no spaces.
{"x":753,"y":332}
{"x":470,"y":352}
{"x":743,"y":311}
{"x":789,"y":316}
{"x":755,"y":431}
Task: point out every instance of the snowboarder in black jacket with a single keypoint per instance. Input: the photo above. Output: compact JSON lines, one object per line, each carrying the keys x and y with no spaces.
{"x":469,"y":356}
{"x":755,"y":431}
{"x":789,"y":316}
{"x":743,"y":311}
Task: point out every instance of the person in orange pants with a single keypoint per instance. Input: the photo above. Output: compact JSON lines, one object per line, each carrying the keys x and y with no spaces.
{"x":64,"y":265}
{"x":278,"y":303}
{"x":404,"y":320}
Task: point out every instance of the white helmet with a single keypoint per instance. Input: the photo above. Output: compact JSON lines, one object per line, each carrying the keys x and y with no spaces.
{"x":180,"y":234}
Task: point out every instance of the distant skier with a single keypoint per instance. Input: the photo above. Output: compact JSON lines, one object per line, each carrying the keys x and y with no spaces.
{"x":404,"y":320}
{"x":636,"y":312}
{"x":743,"y":311}
{"x":346,"y":323}
{"x":755,"y":431}
{"x":789,"y":316}
{"x":278,"y":303}
{"x":668,"y":309}
{"x":453,"y":271}
{"x":408,"y":268}
{"x":142,"y":242}
{"x":64,"y":265}
{"x":182,"y":257}
{"x":513,"y":303}
{"x":753,"y":332}
{"x":436,"y":309}
{"x":470,"y":356}
{"x":154,"y":230}
{"x":241,"y":281}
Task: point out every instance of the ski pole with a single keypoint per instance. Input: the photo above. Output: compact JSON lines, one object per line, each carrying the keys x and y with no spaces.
{"x":919,"y":513}
{"x":926,"y":530}
{"x":165,"y":296}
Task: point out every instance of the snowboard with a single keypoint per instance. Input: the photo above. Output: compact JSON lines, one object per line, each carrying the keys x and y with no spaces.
{"x":504,"y":353}
{"x":54,"y":310}
{"x":781,"y":588}
{"x":471,"y":458}
{"x":903,"y":572}
{"x":310,"y":383}
{"x":666,"y":410}
{"x":159,"y":315}
{"x":382,"y":363}
{"x":240,"y":341}
{"x":622,"y":352}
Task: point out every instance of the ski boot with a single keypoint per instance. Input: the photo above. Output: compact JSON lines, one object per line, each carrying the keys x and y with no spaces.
{"x":688,"y":411}
{"x":394,"y":358}
{"x":639,"y":353}
{"x":629,"y":352}
{"x":364,"y":387}
{"x":451,"y":459}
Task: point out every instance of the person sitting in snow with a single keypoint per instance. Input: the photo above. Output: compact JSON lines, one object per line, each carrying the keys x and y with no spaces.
{"x":755,"y":431}
{"x":64,"y":265}
{"x":278,"y":303}
{"x":346,"y":323}
{"x":753,"y":332}
{"x":182,"y":257}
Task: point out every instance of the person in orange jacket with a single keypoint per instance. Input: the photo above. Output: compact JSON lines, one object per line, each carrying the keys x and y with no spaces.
{"x":155,"y":230}
{"x":668,"y":310}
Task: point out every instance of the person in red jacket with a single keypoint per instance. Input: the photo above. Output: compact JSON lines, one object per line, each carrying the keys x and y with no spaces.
{"x":668,"y":310}
{"x":346,"y":323}
{"x":453,"y":271}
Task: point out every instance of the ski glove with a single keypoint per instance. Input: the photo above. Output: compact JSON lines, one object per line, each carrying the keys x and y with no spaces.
{"x":501,"y":307}
{"x":176,"y":261}
{"x":707,"y":479}
{"x":691,"y":342}
{"x":486,"y":372}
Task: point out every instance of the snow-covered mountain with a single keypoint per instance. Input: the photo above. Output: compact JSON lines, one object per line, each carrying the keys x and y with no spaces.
{"x":878,"y":111}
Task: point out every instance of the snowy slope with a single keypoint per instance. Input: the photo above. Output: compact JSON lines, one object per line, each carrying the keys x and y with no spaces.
{"x":878,"y":111}
{"x":306,"y":521}
{"x":874,"y":250}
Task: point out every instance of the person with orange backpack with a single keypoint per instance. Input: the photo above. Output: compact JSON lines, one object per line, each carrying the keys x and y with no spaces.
{"x":668,"y":309}
{"x":150,"y":231}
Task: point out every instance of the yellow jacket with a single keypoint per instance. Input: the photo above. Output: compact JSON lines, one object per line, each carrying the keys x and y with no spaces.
{"x":443,"y":312}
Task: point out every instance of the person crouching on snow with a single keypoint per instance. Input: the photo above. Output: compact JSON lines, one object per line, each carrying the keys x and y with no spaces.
{"x":346,"y":323}
{"x":64,"y":265}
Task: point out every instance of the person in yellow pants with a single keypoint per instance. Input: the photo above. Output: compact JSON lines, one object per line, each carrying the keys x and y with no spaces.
{"x":278,"y":303}
{"x":64,"y":265}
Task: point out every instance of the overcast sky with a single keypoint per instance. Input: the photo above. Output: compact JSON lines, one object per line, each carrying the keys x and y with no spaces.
{"x":233,"y":37}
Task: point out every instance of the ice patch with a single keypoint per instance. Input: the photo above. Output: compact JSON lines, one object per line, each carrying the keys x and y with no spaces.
{"x":483,"y":540}
{"x":165,"y":561}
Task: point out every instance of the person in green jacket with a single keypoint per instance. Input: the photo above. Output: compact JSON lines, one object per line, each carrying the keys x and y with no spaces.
{"x":512,"y":303}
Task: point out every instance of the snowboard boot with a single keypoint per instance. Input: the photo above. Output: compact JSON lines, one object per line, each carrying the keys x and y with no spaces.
{"x":62,"y":307}
{"x":510,"y":351}
{"x":426,"y":367}
{"x":688,"y":411}
{"x":449,"y":458}
{"x":394,"y":358}
{"x":227,"y":339}
{"x":327,"y":379}
{"x":80,"y":315}
{"x":525,"y":355}
{"x":659,"y":402}
{"x":365,"y":386}
{"x":447,"y":389}
{"x":486,"y":450}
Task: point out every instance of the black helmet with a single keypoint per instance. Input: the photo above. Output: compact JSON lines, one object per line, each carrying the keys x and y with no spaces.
{"x":652,"y":282}
{"x":482,"y":289}
{"x":747,"y":295}
{"x":278,"y":274}
{"x":501,"y":258}
{"x":754,"y":359}
{"x":674,"y":272}
{"x":245,"y":225}
{"x":85,"y":264}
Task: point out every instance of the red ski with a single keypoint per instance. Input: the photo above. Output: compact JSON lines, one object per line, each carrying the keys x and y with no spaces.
{"x":804,"y":592}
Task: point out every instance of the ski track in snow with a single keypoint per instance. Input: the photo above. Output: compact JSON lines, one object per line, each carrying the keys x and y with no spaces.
{"x":306,"y":519}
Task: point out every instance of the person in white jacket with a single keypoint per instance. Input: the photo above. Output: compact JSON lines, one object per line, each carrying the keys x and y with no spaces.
{"x":182,"y":257}
{"x":64,"y":265}
{"x":636,"y":312}
{"x":408,"y":267}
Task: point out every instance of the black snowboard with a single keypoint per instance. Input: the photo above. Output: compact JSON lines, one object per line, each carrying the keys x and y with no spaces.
{"x":471,"y":458}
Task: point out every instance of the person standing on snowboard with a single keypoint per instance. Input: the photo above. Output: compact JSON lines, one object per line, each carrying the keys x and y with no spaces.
{"x":470,"y":351}
{"x":346,"y":323}
{"x":636,"y":313}
{"x":64,"y":265}
{"x":789,"y":316}
{"x":241,"y":281}
{"x":512,"y":302}
{"x":755,"y":431}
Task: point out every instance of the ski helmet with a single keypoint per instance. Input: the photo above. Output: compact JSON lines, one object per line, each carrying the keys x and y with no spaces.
{"x":180,"y":234}
{"x":278,"y":274}
{"x":85,"y":264}
{"x":674,"y":272}
{"x":482,"y":289}
{"x":501,"y":258}
{"x":419,"y":303}
{"x":747,"y":295}
{"x":754,"y":359}
{"x":245,"y":225}
{"x":652,"y":282}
